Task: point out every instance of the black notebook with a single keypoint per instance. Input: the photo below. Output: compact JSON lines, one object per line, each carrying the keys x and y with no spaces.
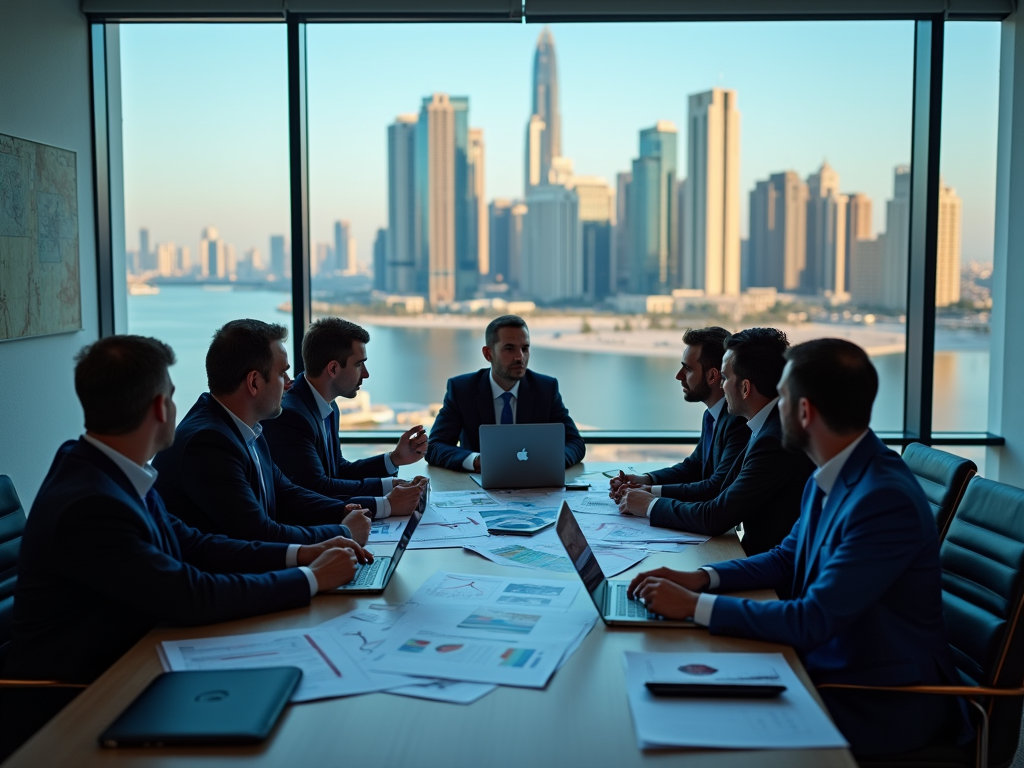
{"x":219,"y":707}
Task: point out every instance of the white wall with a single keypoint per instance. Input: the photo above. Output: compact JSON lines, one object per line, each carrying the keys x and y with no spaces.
{"x":45,"y":97}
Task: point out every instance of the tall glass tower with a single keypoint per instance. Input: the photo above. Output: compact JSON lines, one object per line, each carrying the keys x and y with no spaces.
{"x":545,"y":101}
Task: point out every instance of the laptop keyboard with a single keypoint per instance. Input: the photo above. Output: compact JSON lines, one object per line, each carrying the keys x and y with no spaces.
{"x":366,"y":574}
{"x":630,"y":609}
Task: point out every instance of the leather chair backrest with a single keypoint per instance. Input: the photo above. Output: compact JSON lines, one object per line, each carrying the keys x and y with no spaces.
{"x":943,"y":477}
{"x":982,"y":595}
{"x":12,"y":524}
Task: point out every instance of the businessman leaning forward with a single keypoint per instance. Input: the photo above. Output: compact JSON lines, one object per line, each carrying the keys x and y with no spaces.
{"x":506,"y":393}
{"x":861,"y":565}
{"x":219,"y":475}
{"x":723,"y":435}
{"x":763,"y":487}
{"x":304,"y":438}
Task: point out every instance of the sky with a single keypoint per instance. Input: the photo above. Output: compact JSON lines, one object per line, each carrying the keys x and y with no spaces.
{"x":206,"y":130}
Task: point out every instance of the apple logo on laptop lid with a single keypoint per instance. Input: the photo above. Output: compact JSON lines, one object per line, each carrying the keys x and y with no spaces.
{"x":522,"y":455}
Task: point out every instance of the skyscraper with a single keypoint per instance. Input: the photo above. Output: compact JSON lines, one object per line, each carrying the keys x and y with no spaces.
{"x":711,"y":228}
{"x":344,"y":249}
{"x":621,"y":253}
{"x":545,"y":99}
{"x":478,"y":201}
{"x":146,"y":262}
{"x":380,"y":260}
{"x":436,"y":199}
{"x":652,"y":212}
{"x":897,"y":243}
{"x":947,"y":277}
{"x":212,"y":255}
{"x":826,"y":234}
{"x":858,"y":227}
{"x":597,"y":215}
{"x":552,"y":263}
{"x":400,"y":273}
{"x":166,"y":260}
{"x":778,"y":232}
{"x":467,"y":275}
{"x":535,"y":172}
{"x":278,"y":256}
{"x":499,"y":212}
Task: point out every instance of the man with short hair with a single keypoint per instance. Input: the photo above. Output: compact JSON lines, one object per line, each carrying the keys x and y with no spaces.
{"x":507,"y":393}
{"x":861,"y":565}
{"x":102,"y":562}
{"x":723,"y":435}
{"x":304,"y":438}
{"x":219,"y":476}
{"x":762,"y":490}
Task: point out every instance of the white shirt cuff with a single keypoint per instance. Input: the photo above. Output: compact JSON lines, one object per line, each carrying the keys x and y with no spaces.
{"x":388,"y":483}
{"x":469,"y":461}
{"x":383,"y":509}
{"x":713,"y":578}
{"x":313,"y":586}
{"x":650,"y":507}
{"x":291,"y":556}
{"x":702,"y":613}
{"x":656,"y":490}
{"x":390,"y":467}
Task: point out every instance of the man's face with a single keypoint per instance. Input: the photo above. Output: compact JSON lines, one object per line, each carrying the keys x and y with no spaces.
{"x":511,"y":355}
{"x":730,"y":386}
{"x":691,"y":373}
{"x":350,"y":376}
{"x":166,"y":436}
{"x":271,"y":392}
{"x":794,"y":436}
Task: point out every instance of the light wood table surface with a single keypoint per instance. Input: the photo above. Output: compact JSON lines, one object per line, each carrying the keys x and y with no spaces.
{"x":581,"y":719}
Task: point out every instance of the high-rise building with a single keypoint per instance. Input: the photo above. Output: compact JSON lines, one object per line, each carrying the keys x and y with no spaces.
{"x":534,"y":172}
{"x":166,"y":260}
{"x":499,"y":213}
{"x":867,"y":272}
{"x":436,"y":199}
{"x":897,"y":243}
{"x":185,"y":259}
{"x":344,"y":249}
{"x":545,"y":99}
{"x":400,"y":276}
{"x":597,"y":216}
{"x":477,"y":189}
{"x":711,"y":227}
{"x":212,"y":255}
{"x":380,"y":260}
{"x":255,"y":260}
{"x":652,"y":211}
{"x":320,"y":260}
{"x":517,"y":239}
{"x":858,"y":227}
{"x":826,"y":234}
{"x":552,"y":263}
{"x":279,"y":266}
{"x":947,"y":276}
{"x":777,"y":251}
{"x":146,"y":261}
{"x":621,"y":252}
{"x":467,"y":261}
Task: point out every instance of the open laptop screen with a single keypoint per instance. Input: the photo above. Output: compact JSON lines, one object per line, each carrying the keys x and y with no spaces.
{"x":580,"y":554}
{"x":410,"y":528}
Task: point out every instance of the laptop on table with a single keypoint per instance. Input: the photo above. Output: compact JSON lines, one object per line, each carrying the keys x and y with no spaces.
{"x":610,"y":598}
{"x":373,"y":578}
{"x":522,"y":456}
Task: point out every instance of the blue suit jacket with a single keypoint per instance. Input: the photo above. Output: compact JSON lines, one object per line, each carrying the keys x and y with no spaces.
{"x":210,"y":481}
{"x":699,"y":477}
{"x":98,"y":570}
{"x":296,"y":440}
{"x":866,"y":604}
{"x":468,"y":404}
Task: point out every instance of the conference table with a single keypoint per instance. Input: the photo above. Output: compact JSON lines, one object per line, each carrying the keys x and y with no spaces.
{"x":581,"y":718}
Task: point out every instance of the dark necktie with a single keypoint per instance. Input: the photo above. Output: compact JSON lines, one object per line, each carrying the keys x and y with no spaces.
{"x":331,"y":427}
{"x":506,"y":409}
{"x":813,"y":518}
{"x":707,"y":437}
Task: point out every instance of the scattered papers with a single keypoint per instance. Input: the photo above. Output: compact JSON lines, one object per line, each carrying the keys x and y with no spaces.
{"x":387,"y":530}
{"x":593,"y":504}
{"x":791,"y":721}
{"x":551,"y":556}
{"x":327,"y":670}
{"x":498,"y":591}
{"x":459,"y":499}
{"x":441,"y":525}
{"x":499,"y":520}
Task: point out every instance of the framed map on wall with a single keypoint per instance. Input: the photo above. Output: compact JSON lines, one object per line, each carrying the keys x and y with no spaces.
{"x":40,"y":287}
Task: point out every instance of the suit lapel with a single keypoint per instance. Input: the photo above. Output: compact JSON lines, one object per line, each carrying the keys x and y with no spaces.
{"x":525,"y":402}
{"x":253,"y":474}
{"x":484,"y":401}
{"x":302,"y":389}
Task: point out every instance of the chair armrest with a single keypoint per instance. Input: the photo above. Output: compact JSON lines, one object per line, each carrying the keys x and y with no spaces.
{"x":39,"y":684}
{"x":967,"y":691}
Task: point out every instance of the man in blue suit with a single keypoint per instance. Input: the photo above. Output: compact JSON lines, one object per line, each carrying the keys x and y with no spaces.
{"x":102,"y":562}
{"x":219,"y":475}
{"x":507,"y":393}
{"x":723,"y":435}
{"x":862,"y":565}
{"x":304,"y":438}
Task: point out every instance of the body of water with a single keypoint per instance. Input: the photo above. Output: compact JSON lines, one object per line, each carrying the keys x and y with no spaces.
{"x":602,"y":390}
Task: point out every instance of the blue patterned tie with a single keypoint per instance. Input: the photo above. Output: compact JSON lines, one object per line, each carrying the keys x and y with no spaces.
{"x":506,"y":409}
{"x":331,"y":428}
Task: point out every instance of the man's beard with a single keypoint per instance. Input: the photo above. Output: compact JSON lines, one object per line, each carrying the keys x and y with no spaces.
{"x":699,"y":394}
{"x":794,"y":436}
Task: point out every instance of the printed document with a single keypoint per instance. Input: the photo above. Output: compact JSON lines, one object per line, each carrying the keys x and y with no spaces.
{"x":498,"y":591}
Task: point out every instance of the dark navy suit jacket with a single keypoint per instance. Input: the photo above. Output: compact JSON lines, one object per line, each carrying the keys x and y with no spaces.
{"x":762,"y":490}
{"x":98,"y":570}
{"x":699,"y":477}
{"x":296,"y":440}
{"x":468,"y":404}
{"x":209,"y":479}
{"x":866,"y":603}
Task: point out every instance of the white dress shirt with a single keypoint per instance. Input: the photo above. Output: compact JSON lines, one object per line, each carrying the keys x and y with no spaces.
{"x":383,"y":505}
{"x":142,"y":478}
{"x":499,"y":406}
{"x":715,"y":411}
{"x":825,"y":476}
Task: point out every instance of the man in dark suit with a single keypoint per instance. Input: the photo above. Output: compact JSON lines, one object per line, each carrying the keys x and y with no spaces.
{"x":506,"y":393}
{"x":219,"y":476}
{"x":862,"y":565}
{"x":304,"y":438}
{"x":102,"y":562}
{"x":763,"y":488}
{"x":723,"y":435}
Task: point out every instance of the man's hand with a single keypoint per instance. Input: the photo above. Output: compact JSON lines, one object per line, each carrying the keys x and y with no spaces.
{"x":619,"y":485}
{"x":667,"y":598}
{"x":411,"y":447}
{"x":419,"y":480}
{"x":476,"y":464}
{"x":695,"y":581}
{"x":358,"y":521}
{"x":404,"y":499}
{"x":310,"y":552}
{"x":635,"y":502}
{"x":334,"y":568}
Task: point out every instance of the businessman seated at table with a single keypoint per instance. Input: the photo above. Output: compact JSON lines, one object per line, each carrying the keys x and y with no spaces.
{"x":219,"y":475}
{"x":723,"y":435}
{"x":505,"y":393}
{"x":762,"y":489}
{"x":102,"y":562}
{"x":861,"y":564}
{"x":304,"y":439}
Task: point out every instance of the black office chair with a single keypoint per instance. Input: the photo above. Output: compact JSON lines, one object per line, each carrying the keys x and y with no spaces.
{"x":944,"y":478}
{"x":982,"y":599}
{"x":25,"y":705}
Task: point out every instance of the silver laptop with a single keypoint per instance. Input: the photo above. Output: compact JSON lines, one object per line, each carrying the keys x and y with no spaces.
{"x":522,"y":455}
{"x":374,"y":577}
{"x":609,"y":597}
